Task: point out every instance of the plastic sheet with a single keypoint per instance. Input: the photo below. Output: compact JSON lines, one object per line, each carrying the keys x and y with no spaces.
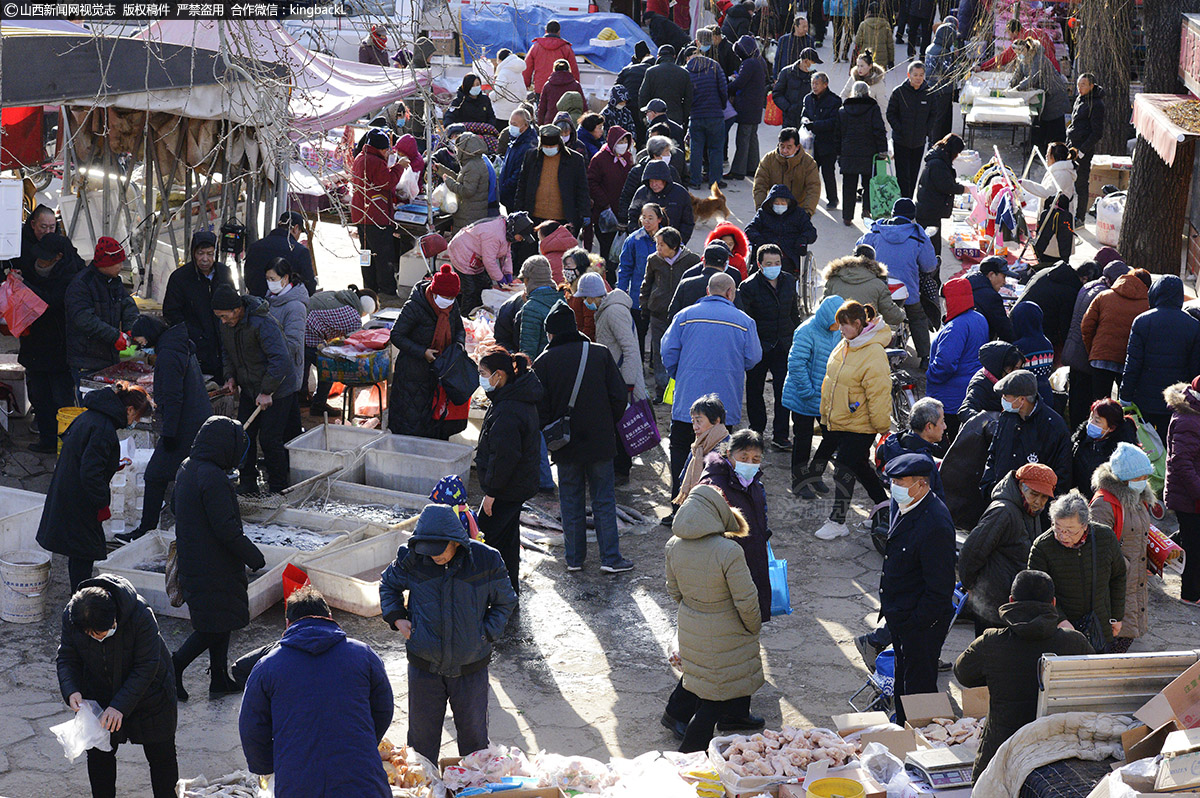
{"x":82,"y":732}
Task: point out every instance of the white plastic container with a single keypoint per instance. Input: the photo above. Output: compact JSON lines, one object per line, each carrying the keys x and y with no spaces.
{"x":20,"y":514}
{"x":349,"y":576}
{"x":412,"y":465}
{"x":323,"y":448}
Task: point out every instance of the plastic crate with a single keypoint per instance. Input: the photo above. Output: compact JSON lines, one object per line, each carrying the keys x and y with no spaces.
{"x":407,"y":464}
{"x":323,"y":448}
{"x":349,"y":576}
{"x":356,"y":493}
{"x":20,"y":514}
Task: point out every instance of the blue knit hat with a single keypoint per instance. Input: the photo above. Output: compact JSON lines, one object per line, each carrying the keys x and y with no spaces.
{"x":1129,"y":462}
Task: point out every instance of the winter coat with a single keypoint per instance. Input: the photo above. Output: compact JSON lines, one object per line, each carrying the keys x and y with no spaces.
{"x":289,"y":713}
{"x":290,"y":309}
{"x":188,"y":299}
{"x":876,"y":83}
{"x":875,"y":34}
{"x":911,"y":114}
{"x":799,"y":173}
{"x":821,"y":111}
{"x":996,"y":550}
{"x":1054,"y":290}
{"x":256,"y":354}
{"x":661,"y":280}
{"x":737,"y":23}
{"x":616,"y":331}
{"x":506,"y":459}
{"x":467,"y":108}
{"x":631,"y":77}
{"x":553,"y":247}
{"x":751,"y":502}
{"x":372,"y":188}
{"x":905,"y":249}
{"x":1074,"y":353}
{"x":719,"y":614}
{"x":1088,"y":454}
{"x":1077,"y":589}
{"x":1135,"y":524}
{"x":1035,"y":346}
{"x":909,"y":442}
{"x":708,"y":348}
{"x":962,"y":468}
{"x":482,"y":248}
{"x":739,"y":257}
{"x":1087,"y":121}
{"x":1058,"y":179}
{"x":981,"y":393}
{"x":1182,"y":490}
{"x":279,"y":244}
{"x":937,"y":186}
{"x":748,"y":88}
{"x":531,"y":320}
{"x":941,"y":55}
{"x":989,"y":302}
{"x":539,"y":61}
{"x":861,"y":135}
{"x":508,"y":86}
{"x":79,"y":488}
{"x":671,"y":83}
{"x":507,"y":332}
{"x":1164,"y":348}
{"x":457,"y":610}
{"x":1007,"y":662}
{"x":631,"y":268}
{"x":213,"y":552}
{"x":788,"y":49}
{"x":572,"y":184}
{"x":413,"y":382}
{"x":864,"y":281}
{"x":812,"y":343}
{"x":99,"y":309}
{"x":635,"y":179}
{"x":514,"y":164}
{"x":1042,"y":437}
{"x":180,"y":398}
{"x":1038,"y":72}
{"x":601,"y":402}
{"x":954,"y":356}
{"x":675,"y":200}
{"x":792,"y":231}
{"x":607,"y":171}
{"x":472,"y":184}
{"x":710,"y":89}
{"x":130,"y":671}
{"x":773,"y":307}
{"x":792,"y":85}
{"x":856,"y":394}
{"x":1109,"y":319}
{"x":916,"y":587}
{"x":552,"y":91}
{"x":44,"y":347}
{"x":663,"y":31}
{"x":615,"y":116}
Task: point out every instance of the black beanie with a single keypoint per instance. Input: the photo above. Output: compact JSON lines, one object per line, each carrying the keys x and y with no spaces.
{"x":149,"y":328}
{"x":561,"y":319}
{"x":225,"y":298}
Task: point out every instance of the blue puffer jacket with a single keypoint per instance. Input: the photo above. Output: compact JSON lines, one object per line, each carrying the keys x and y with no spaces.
{"x":710,"y":89}
{"x":902,"y":246}
{"x":954,"y":351}
{"x":1034,"y":345}
{"x":290,"y":715}
{"x":1164,"y":348}
{"x":812,"y":344}
{"x":457,"y":610}
{"x":632,"y":268}
{"x":708,"y":348}
{"x":510,"y":173}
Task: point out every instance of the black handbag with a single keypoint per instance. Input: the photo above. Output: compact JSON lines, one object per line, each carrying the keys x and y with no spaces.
{"x":1089,"y":625}
{"x":457,"y":374}
{"x":558,"y":432}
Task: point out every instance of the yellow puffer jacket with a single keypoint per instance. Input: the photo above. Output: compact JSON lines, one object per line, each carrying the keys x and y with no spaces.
{"x":856,"y":394}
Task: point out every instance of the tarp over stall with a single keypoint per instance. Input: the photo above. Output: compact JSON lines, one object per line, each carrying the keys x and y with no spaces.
{"x":325,"y":92}
{"x":489,"y":27}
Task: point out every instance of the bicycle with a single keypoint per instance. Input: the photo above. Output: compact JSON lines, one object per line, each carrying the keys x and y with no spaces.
{"x":904,"y":394}
{"x":806,"y":284}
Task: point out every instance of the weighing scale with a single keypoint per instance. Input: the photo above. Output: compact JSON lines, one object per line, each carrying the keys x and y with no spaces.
{"x":942,"y":768}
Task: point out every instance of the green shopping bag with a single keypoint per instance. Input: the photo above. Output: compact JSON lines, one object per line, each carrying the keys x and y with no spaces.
{"x":1152,"y":445}
{"x":885,"y":189}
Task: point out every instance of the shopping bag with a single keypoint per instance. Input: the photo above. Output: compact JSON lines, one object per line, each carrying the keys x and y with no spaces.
{"x":781,"y":596}
{"x":614,"y":252}
{"x":1152,"y":445}
{"x":82,"y":732}
{"x":374,"y":339}
{"x":457,"y":374}
{"x":669,"y":393}
{"x":638,"y":429}
{"x":19,"y":305}
{"x":772,"y":115}
{"x":885,"y":189}
{"x":1161,"y":552}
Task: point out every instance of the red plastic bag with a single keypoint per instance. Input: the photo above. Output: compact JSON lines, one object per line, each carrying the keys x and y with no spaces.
{"x":19,"y":306}
{"x":371,"y":339}
{"x":772,"y":115}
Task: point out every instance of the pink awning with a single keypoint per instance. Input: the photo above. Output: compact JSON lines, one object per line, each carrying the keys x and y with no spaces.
{"x":1154,"y":126}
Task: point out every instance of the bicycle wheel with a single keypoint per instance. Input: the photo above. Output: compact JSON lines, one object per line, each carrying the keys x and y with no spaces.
{"x":902,"y":402}
{"x":807,"y":286}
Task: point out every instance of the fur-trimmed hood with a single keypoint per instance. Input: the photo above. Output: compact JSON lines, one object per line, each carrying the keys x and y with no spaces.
{"x":706,"y":512}
{"x":1182,"y":399}
{"x":854,"y":269}
{"x":1103,"y":478}
{"x":875,"y":74}
{"x":741,"y":246}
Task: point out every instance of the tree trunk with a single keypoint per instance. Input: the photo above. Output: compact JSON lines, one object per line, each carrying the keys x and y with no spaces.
{"x":1103,"y":48}
{"x":1156,"y":209}
{"x":1162,"y":21}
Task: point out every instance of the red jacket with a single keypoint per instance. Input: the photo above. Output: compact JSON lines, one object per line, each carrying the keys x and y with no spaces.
{"x":741,"y":245}
{"x":372,"y":187}
{"x":539,"y":61}
{"x":555,"y":87}
{"x":606,"y":172}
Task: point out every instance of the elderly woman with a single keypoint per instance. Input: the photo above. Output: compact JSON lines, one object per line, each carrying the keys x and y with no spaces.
{"x":708,"y":424}
{"x":719,"y":618}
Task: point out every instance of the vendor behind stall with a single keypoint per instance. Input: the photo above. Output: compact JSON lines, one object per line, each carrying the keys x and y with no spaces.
{"x":100,"y":312}
{"x":332,"y":314}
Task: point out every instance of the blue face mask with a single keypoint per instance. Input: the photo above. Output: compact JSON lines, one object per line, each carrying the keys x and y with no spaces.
{"x":1138,"y":485}
{"x":591,"y":304}
{"x":475,"y":91}
{"x":485,"y":382}
{"x":772,"y":272}
{"x":745,"y":471}
{"x":1008,"y":406}
{"x":900,"y":494}
{"x":514,"y":131}
{"x":1093,"y":431}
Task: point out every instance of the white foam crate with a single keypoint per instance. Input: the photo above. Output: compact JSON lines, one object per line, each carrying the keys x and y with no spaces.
{"x":358,"y":493}
{"x":323,"y":448}
{"x":20,"y":515}
{"x":349,"y":576}
{"x":407,"y":464}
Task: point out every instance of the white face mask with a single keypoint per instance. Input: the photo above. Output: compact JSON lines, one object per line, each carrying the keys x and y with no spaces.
{"x":622,"y":148}
{"x":443,"y":302}
{"x":780,"y":209}
{"x":665,"y":157}
{"x":476,"y":91}
{"x":274,"y":286}
{"x":550,"y":152}
{"x":107,"y":634}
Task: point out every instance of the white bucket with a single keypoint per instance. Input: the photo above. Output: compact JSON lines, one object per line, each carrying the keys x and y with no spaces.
{"x":24,"y":575}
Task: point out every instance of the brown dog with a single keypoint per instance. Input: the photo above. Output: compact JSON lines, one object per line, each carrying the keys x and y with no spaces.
{"x":711,"y":207}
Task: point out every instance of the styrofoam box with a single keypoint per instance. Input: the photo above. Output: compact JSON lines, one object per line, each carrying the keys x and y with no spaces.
{"x":323,"y":448}
{"x":348,"y":577}
{"x":20,"y":514}
{"x":411,"y":465}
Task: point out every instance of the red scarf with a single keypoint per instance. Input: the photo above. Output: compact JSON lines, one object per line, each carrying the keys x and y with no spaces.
{"x":441,"y":332}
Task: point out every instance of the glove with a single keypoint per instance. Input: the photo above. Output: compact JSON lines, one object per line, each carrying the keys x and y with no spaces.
{"x":122,"y":342}
{"x":507,"y":279}
{"x":103,"y":514}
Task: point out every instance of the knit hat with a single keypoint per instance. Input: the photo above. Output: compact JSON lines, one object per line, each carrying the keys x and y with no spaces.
{"x":666,"y":51}
{"x":109,"y":252}
{"x":1018,"y":383}
{"x":378,"y":139}
{"x":535,"y":272}
{"x":904,"y":207}
{"x":716,"y":254}
{"x":225,"y":298}
{"x":640,"y":50}
{"x":1106,"y":255}
{"x":149,"y":328}
{"x":518,"y":224}
{"x":1113,"y":271}
{"x":591,"y":285}
{"x":561,"y":319}
{"x":1129,"y":462}
{"x":446,"y":282}
{"x":202,"y":239}
{"x":1039,"y":477}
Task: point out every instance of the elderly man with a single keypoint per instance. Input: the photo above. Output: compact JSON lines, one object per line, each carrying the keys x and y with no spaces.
{"x":100,"y":312}
{"x":998,"y":547}
{"x":669,"y":83}
{"x":553,"y":182}
{"x":910,"y":114}
{"x":522,"y":138}
{"x":926,"y":430}
{"x":659,"y":149}
{"x":789,"y":165}
{"x":821,"y":117}
{"x":188,"y":299}
{"x":282,"y":242}
{"x":1029,"y":431}
{"x":791,"y":45}
{"x":916,"y":588}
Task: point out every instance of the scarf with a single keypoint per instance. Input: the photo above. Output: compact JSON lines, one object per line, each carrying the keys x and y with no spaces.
{"x":704,"y":444}
{"x":441,"y":332}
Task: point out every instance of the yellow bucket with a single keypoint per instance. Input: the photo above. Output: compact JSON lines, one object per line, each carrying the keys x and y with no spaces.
{"x":65,"y":417}
{"x":836,"y":788}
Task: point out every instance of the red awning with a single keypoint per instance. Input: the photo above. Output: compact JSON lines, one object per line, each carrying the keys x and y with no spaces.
{"x":21,"y":137}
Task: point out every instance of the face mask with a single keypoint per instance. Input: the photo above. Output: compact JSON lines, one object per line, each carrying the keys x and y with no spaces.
{"x":665,"y":158}
{"x":443,"y":302}
{"x":400,"y":123}
{"x":1007,"y":406}
{"x":650,"y":120}
{"x":900,"y":494}
{"x":704,"y":48}
{"x":108,"y":634}
{"x":622,"y":148}
{"x":1138,"y":485}
{"x":514,"y":131}
{"x":788,"y":156}
{"x":476,"y":91}
{"x":745,"y":471}
{"x":780,"y":209}
{"x":1094,"y":431}
{"x":550,"y":152}
{"x":274,"y":286}
{"x":485,"y":383}
{"x":591,"y":304}
{"x":772,"y":272}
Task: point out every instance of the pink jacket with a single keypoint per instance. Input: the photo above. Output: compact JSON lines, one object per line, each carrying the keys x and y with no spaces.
{"x":482,"y":246}
{"x":553,"y":246}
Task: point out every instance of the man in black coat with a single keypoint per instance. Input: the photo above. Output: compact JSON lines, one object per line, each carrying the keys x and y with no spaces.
{"x":1006,"y":661}
{"x":1084,"y":133}
{"x":997,"y":359}
{"x":188,"y":300}
{"x":657,"y":187}
{"x":111,"y":652}
{"x":792,"y":85}
{"x":571,"y":201}
{"x":658,"y":148}
{"x":282,"y":242}
{"x":694,"y":282}
{"x":910,"y":113}
{"x":586,"y":460}
{"x":769,"y":297}
{"x":656,"y":114}
{"x":631,"y":77}
{"x":791,"y":45}
{"x":99,"y":312}
{"x":1054,"y":291}
{"x":669,"y":82}
{"x":1029,"y":431}
{"x":985,"y":290}
{"x":821,"y":108}
{"x":40,"y":223}
{"x":916,"y":588}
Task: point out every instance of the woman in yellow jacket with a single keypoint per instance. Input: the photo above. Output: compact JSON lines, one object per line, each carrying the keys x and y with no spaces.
{"x":856,"y":405}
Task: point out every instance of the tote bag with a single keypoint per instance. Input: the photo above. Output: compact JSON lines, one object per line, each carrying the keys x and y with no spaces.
{"x":638,"y":429}
{"x":885,"y":189}
{"x":781,"y":596}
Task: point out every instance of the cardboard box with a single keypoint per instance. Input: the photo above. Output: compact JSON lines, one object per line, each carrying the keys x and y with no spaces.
{"x":1143,"y":742}
{"x":898,"y":742}
{"x":445,"y":43}
{"x":1178,"y":701}
{"x":857,"y":721}
{"x":975,"y":702}
{"x":1180,"y":767}
{"x":922,"y":708}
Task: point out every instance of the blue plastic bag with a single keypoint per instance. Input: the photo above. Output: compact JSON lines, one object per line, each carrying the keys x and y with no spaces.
{"x":781,"y":596}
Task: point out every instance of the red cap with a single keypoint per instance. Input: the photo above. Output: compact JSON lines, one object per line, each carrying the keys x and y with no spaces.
{"x":446,"y":282}
{"x":1038,"y":477}
{"x":109,"y":252}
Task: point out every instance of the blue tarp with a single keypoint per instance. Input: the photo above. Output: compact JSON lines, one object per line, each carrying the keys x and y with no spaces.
{"x":489,"y":27}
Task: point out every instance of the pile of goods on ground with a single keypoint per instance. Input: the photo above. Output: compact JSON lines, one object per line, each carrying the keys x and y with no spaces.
{"x":409,"y":773}
{"x":787,"y":753}
{"x":383,"y":514}
{"x":239,"y":784}
{"x":292,"y":537}
{"x":945,"y":732}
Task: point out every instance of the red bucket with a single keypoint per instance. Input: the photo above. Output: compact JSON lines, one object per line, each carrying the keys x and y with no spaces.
{"x":293,"y":580}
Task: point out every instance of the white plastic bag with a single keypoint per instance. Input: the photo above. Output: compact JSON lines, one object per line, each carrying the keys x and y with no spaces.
{"x":1110,"y":212}
{"x":806,"y":139}
{"x":83,"y":732}
{"x":408,"y":187}
{"x":445,"y":199}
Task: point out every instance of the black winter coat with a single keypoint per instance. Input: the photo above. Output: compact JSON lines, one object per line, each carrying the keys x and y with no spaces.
{"x":1054,"y":291}
{"x":276,"y":244}
{"x":79,"y":488}
{"x":213,"y":552}
{"x":601,"y":403}
{"x":996,"y":550}
{"x":189,"y":300}
{"x":791,"y":87}
{"x":671,"y":83}
{"x":822,"y":114}
{"x":1087,"y":121}
{"x":572,"y":185}
{"x":937,"y":186}
{"x":911,"y":114}
{"x":633,"y":182}
{"x":748,"y":88}
{"x":981,"y":390}
{"x":694,"y":285}
{"x":180,"y":399}
{"x":1164,"y":348}
{"x":44,"y":347}
{"x":737,"y":22}
{"x":1078,"y":589}
{"x":663,"y":31}
{"x":792,"y":231}
{"x":963,"y":466}
{"x":130,"y":671}
{"x":466,"y":108}
{"x":509,"y":450}
{"x":505,"y":334}
{"x":773,"y":307}
{"x":255,"y":353}
{"x":410,"y":410}
{"x":991,"y":305}
{"x":751,"y":502}
{"x":674,"y":199}
{"x":861,"y":135}
{"x":1087,"y":454}
{"x":1042,"y":437}
{"x":916,"y":588}
{"x":99,"y":309}
{"x":1006,"y":661}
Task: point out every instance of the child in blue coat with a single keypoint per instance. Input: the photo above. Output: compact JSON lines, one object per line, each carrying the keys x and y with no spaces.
{"x":812,"y":344}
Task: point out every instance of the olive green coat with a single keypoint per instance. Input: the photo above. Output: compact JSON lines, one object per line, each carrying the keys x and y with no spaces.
{"x":1071,"y":570}
{"x":1135,"y":525}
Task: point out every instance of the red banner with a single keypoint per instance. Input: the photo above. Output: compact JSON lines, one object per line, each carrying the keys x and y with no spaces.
{"x":21,"y":137}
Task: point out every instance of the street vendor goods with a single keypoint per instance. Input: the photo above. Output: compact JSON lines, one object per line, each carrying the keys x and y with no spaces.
{"x":405,"y":769}
{"x":291,"y":537}
{"x":943,"y":732}
{"x":385,"y":514}
{"x":787,"y":752}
